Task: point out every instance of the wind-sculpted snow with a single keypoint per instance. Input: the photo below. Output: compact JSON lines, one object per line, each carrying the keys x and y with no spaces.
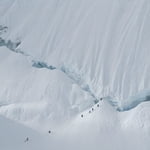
{"x":40,"y":64}
{"x":106,"y":40}
{"x":58,"y":58}
{"x":79,"y":80}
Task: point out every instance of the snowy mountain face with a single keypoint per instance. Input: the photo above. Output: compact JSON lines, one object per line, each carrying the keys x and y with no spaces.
{"x":59,"y":58}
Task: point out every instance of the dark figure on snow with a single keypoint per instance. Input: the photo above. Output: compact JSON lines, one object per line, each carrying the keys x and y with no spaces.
{"x":101,"y":99}
{"x":49,"y":132}
{"x":97,"y":105}
{"x":82,"y":116}
{"x":26,"y":140}
{"x":92,"y":109}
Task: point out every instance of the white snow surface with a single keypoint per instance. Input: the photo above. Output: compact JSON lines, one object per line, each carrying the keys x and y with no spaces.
{"x":106,"y":40}
{"x":58,"y":58}
{"x":103,"y":129}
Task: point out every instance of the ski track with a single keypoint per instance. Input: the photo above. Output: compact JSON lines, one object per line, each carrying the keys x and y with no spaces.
{"x":75,"y":77}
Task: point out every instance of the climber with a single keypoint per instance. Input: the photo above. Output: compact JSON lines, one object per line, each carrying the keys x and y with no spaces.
{"x":26,"y":140}
{"x":49,"y":132}
{"x":92,"y":109}
{"x":101,"y":98}
{"x":82,"y":116}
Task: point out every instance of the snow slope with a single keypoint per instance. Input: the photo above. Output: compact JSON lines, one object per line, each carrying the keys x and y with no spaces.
{"x":107,"y":129}
{"x":58,"y":58}
{"x":102,"y":129}
{"x":106,"y":41}
{"x":13,"y":136}
{"x":39,"y":98}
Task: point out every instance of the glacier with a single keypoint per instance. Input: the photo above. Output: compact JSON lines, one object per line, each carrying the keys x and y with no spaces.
{"x":59,"y":58}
